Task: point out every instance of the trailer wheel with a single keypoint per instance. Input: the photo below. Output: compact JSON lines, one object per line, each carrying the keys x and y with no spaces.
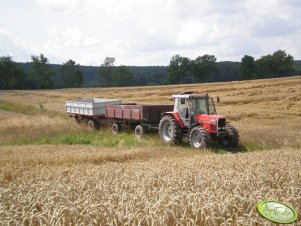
{"x":169,"y":130}
{"x":232,"y":138}
{"x":116,"y":128}
{"x":139,"y":131}
{"x":199,"y":138}
{"x":93,"y":124}
{"x":77,"y":120}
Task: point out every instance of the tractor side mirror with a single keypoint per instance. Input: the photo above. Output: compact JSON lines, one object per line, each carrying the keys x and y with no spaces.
{"x":186,"y":113}
{"x":218,"y":100}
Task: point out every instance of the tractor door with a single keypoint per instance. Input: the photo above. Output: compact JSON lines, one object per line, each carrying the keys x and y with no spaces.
{"x":182,"y":107}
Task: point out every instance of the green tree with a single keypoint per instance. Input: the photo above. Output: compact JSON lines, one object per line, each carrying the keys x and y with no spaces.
{"x":247,"y":67}
{"x":122,"y":76}
{"x":179,"y":67}
{"x":283,"y":63}
{"x":114,"y":76}
{"x":264,"y":67}
{"x":11,"y":76}
{"x":276,"y":65}
{"x":71,"y":75}
{"x":106,"y":70}
{"x":203,"y":66}
{"x":41,"y":76}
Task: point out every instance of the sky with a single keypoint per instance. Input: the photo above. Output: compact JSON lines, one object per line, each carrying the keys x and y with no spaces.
{"x":147,"y":32}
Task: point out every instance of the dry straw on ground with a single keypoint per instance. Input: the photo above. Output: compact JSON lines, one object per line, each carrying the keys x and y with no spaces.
{"x":84,"y":185}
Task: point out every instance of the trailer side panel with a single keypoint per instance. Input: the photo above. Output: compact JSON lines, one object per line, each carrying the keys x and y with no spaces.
{"x":137,"y":112}
{"x":89,"y":107}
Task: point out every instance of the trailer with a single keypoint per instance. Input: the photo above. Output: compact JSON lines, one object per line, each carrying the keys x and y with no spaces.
{"x":97,"y":111}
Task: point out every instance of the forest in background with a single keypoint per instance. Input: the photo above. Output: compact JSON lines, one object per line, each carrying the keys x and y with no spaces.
{"x":156,"y":75}
{"x":40,"y":74}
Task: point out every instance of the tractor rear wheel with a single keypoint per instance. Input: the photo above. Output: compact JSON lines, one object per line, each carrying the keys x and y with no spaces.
{"x":169,"y":130}
{"x":232,"y":137}
{"x":139,"y":131}
{"x":199,"y":138}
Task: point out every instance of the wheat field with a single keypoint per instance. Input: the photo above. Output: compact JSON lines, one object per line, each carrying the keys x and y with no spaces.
{"x":119,"y":180}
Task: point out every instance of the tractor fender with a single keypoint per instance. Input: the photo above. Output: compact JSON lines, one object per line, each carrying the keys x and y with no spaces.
{"x":177,"y":116}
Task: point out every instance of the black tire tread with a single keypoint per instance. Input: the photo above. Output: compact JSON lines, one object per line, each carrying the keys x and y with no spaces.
{"x":233,"y":136}
{"x":206,"y":141}
{"x":177,"y":132}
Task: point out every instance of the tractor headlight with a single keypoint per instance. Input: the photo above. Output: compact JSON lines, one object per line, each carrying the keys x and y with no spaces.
{"x":212,"y":125}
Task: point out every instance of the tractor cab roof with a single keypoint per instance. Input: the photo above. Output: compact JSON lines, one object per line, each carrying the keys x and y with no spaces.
{"x":191,"y":95}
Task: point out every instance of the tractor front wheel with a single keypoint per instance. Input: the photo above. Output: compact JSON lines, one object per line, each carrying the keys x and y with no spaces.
{"x":232,"y":137}
{"x":169,"y":130}
{"x":199,"y":138}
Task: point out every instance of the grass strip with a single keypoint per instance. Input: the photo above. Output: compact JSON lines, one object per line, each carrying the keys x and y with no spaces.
{"x":28,"y":109}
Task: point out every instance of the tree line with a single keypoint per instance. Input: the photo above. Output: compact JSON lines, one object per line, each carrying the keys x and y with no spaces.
{"x":181,"y":69}
{"x":278,"y":64}
{"x":40,"y":74}
{"x":206,"y":69}
{"x":114,"y":76}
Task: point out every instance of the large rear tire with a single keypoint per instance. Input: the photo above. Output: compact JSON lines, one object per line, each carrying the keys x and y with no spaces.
{"x":199,"y":138}
{"x":170,"y":130}
{"x":232,"y":137}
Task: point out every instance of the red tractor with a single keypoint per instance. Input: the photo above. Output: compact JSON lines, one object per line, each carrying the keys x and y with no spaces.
{"x":194,"y":117}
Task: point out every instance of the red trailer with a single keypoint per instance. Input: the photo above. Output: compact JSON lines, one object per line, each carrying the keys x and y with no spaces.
{"x":142,"y":117}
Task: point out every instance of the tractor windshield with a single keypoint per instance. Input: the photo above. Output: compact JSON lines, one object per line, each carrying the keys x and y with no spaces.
{"x":198,"y":106}
{"x":202,"y":106}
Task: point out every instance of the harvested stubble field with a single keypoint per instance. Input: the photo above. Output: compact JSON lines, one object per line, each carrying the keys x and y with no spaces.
{"x":118,"y":180}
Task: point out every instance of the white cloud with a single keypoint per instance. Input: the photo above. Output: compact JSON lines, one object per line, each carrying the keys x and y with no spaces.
{"x":73,"y":37}
{"x":271,"y":26}
{"x":151,"y":31}
{"x":59,"y":5}
{"x":213,"y":32}
{"x":192,"y":33}
{"x":235,"y":48}
{"x":13,"y":46}
{"x":71,"y":43}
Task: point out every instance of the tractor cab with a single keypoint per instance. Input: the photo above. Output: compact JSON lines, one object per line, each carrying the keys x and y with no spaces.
{"x":189,"y":104}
